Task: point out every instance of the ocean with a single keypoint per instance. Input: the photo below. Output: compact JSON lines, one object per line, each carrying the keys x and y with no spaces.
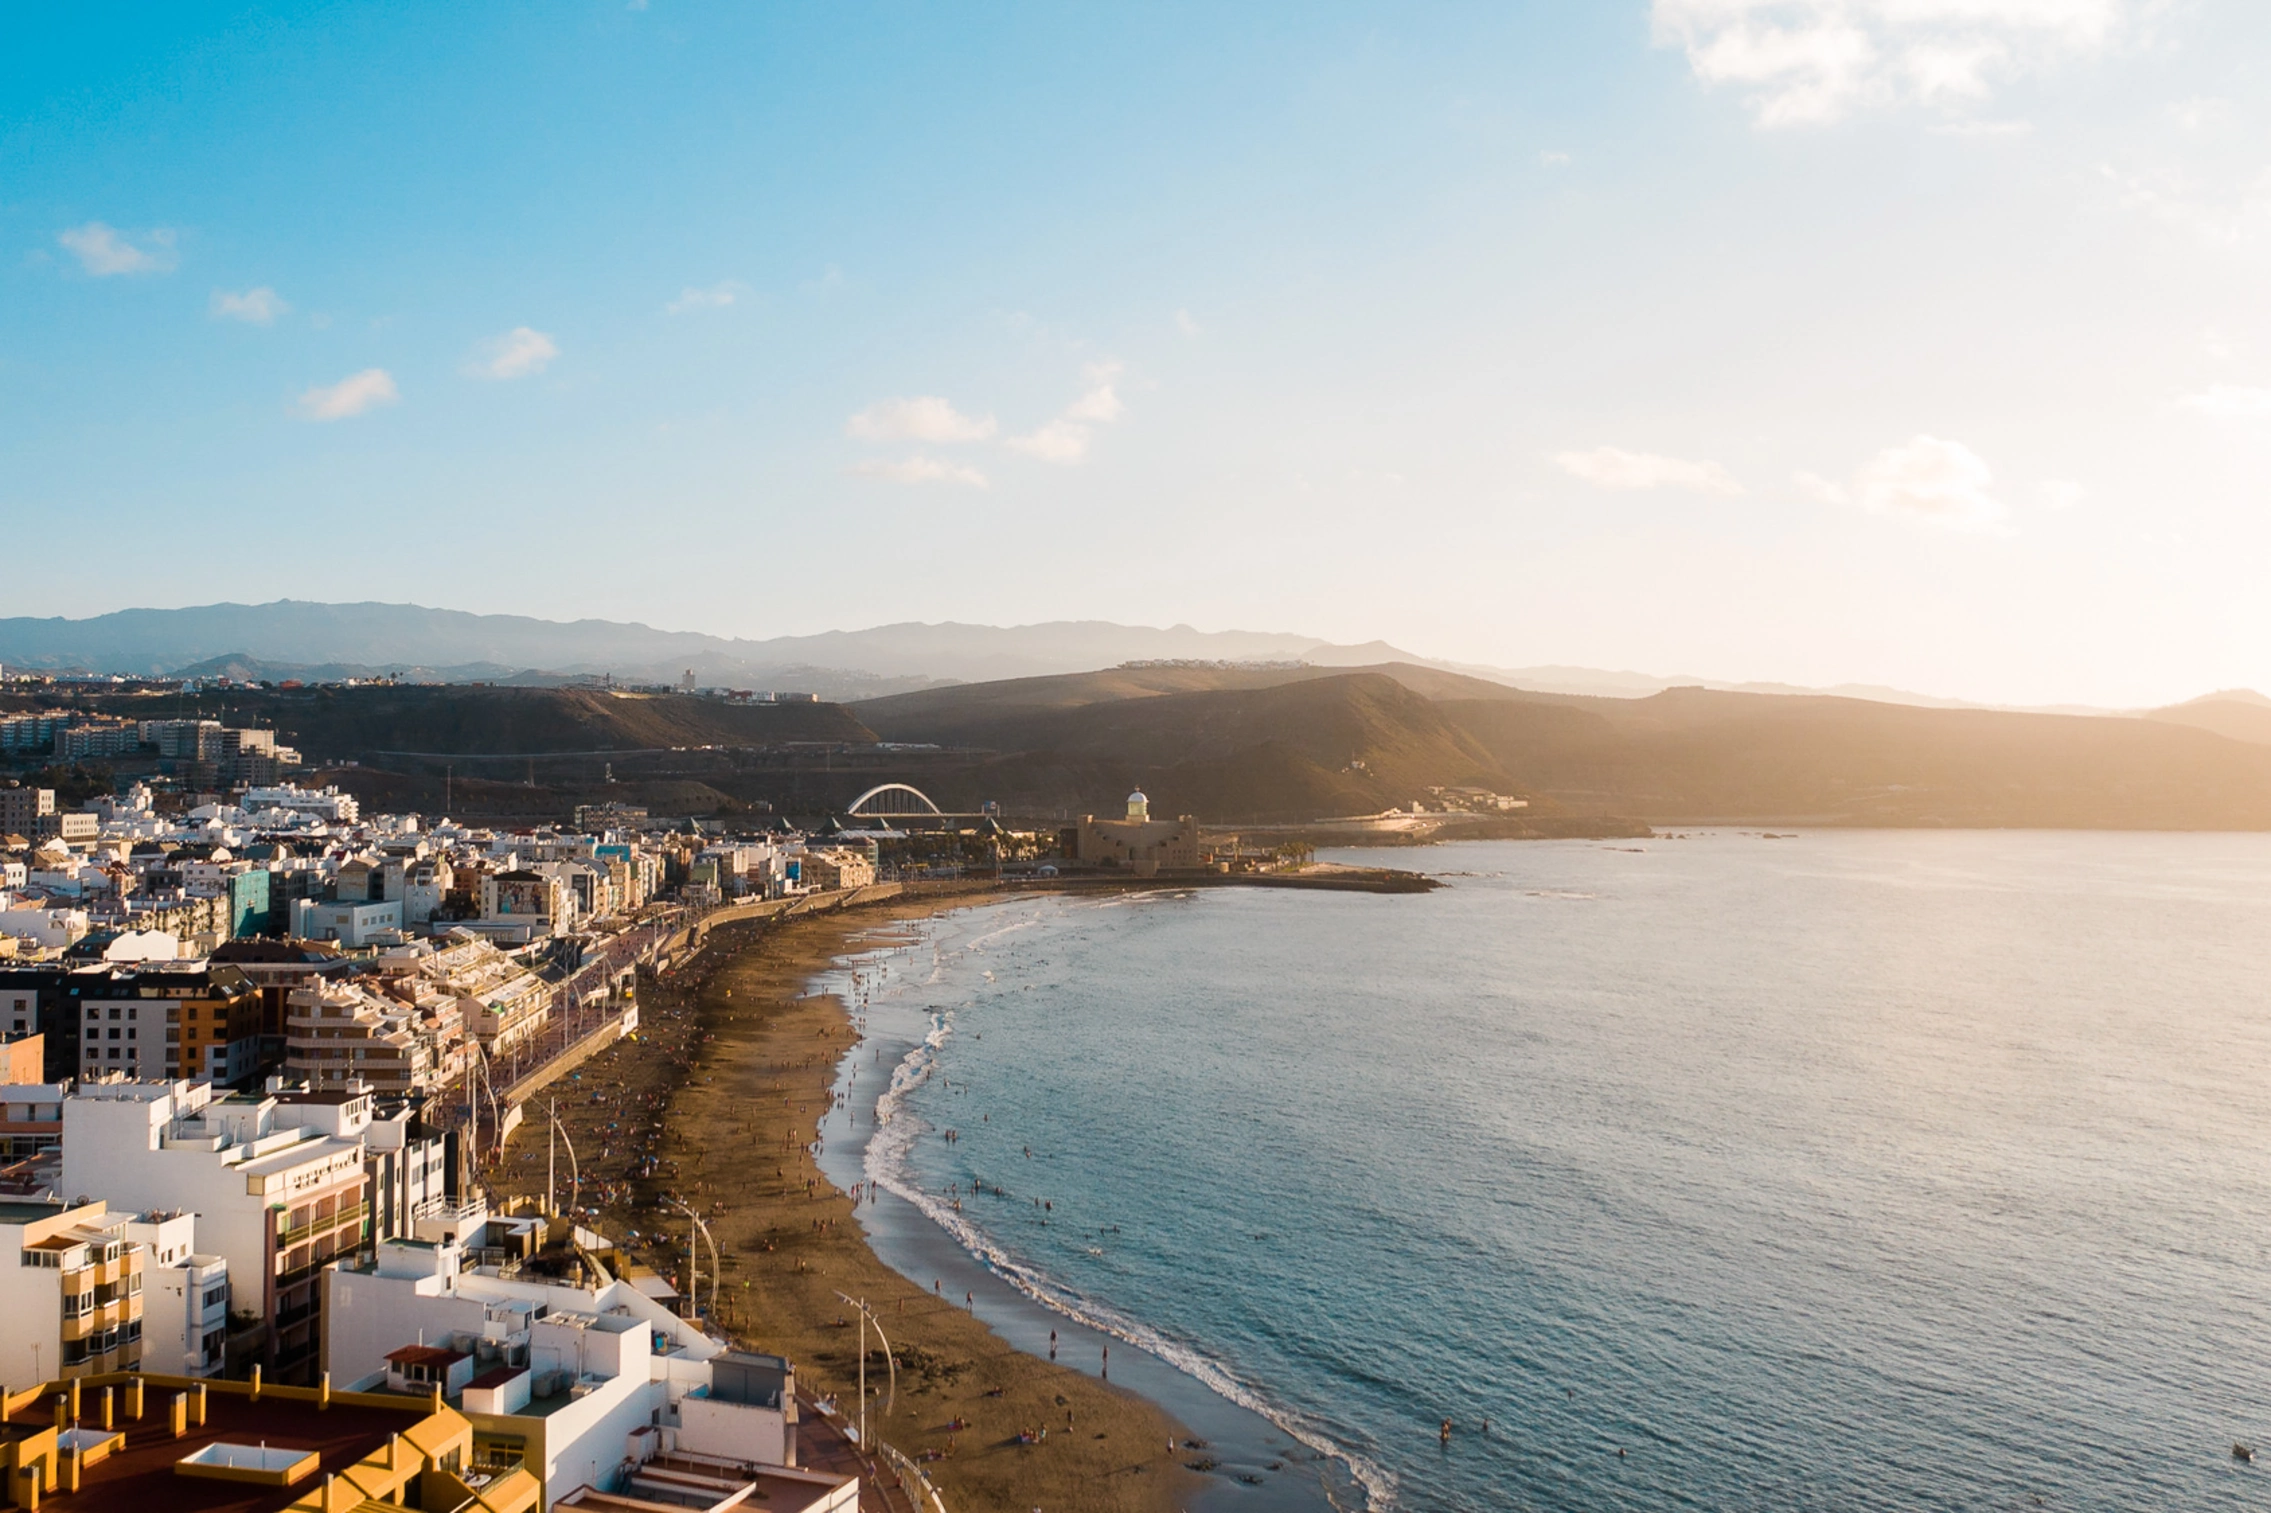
{"x":1838,"y":1170}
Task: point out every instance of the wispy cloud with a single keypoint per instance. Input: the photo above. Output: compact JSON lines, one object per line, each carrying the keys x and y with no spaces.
{"x":1928,"y":481}
{"x":716,"y":297}
{"x":1809,"y":61}
{"x":919,"y":470}
{"x":2233,"y":211}
{"x":520,"y":353}
{"x":2059,"y":493}
{"x":105,"y":251}
{"x":1548,"y":158}
{"x":2200,"y":113}
{"x":1187,"y":323}
{"x":1058,"y":441}
{"x":350,"y":396}
{"x":2230,"y":402}
{"x":922,"y":417}
{"x":257,"y":307}
{"x":1065,"y":439}
{"x":1613,"y":468}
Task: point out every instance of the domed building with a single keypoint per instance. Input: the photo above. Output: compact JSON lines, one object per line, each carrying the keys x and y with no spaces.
{"x":1140,"y":843}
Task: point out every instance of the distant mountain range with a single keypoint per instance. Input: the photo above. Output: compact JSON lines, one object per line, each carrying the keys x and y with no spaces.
{"x":327,"y":642}
{"x":294,"y":638}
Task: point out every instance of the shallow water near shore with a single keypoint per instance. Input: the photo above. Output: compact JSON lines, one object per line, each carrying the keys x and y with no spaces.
{"x":891,"y":989}
{"x":1851,"y":1170}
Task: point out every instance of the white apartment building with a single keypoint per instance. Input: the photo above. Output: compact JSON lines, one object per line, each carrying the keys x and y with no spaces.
{"x":185,"y":1297}
{"x":351,"y":923}
{"x":279,"y":1192}
{"x":575,"y":1373}
{"x":49,"y":929}
{"x":72,"y":1279}
{"x":326,"y":804}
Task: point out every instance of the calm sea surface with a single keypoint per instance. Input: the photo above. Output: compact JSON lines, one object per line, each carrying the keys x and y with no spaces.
{"x":1850,"y":1170}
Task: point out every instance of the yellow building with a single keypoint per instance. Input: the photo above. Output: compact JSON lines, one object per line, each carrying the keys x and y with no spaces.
{"x":1144,"y":845}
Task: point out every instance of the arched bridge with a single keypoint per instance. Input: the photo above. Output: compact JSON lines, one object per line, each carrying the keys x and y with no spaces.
{"x":893,"y":800}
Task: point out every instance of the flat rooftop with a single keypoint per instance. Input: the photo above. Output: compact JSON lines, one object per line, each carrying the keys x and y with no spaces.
{"x":140,"y":1478}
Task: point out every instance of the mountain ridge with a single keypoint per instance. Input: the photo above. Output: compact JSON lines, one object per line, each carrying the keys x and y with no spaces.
{"x":312,"y":640}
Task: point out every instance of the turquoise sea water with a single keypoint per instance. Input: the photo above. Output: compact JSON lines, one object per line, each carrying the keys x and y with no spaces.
{"x":1850,"y":1170}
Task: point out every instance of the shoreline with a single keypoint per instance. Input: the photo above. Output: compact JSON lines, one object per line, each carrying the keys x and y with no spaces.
{"x":734,"y":1070}
{"x":1258,"y":1463}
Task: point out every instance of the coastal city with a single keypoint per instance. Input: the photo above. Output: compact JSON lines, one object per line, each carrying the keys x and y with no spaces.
{"x":261,"y":1053}
{"x":1284,"y":758}
{"x":282,"y":1129}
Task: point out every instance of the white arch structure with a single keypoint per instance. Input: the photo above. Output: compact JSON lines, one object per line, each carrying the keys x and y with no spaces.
{"x":892,"y":798}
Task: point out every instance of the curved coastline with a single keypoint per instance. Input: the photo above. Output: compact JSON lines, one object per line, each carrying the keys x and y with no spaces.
{"x":870,"y":1139}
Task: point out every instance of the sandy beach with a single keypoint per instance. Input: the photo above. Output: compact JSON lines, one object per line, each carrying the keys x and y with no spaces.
{"x":714,"y":1103}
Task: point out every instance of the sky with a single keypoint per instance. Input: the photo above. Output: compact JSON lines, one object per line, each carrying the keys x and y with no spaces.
{"x":1914,"y":342}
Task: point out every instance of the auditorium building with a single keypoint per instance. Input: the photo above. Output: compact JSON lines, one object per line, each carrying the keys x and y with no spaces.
{"x":1140,"y":843}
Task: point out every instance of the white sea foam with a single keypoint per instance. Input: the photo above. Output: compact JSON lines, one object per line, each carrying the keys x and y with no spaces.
{"x":887,"y":1163}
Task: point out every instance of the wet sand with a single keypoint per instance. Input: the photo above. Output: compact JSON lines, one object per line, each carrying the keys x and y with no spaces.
{"x":716,"y":1103}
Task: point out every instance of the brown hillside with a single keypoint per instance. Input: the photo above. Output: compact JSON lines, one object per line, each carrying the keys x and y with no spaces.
{"x":978,"y":713}
{"x":1331,"y":743}
{"x":2241,"y":715}
{"x":1687,"y":754}
{"x":330,"y":724}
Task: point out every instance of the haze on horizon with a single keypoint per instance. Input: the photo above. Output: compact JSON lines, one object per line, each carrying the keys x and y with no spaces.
{"x":1922,"y":343}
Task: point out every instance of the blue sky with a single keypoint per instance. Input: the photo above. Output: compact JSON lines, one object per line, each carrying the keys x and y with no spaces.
{"x":1924,"y":342}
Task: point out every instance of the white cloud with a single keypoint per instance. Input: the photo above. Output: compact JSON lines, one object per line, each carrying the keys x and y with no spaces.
{"x":350,"y":396}
{"x":1187,"y":324}
{"x":924,"y":417}
{"x":1977,"y":128}
{"x":104,"y":251}
{"x":1612,"y":468}
{"x":1928,"y":481}
{"x":1065,"y":439}
{"x":716,"y":297}
{"x":2222,"y":213}
{"x":1058,"y":441}
{"x":2059,"y":493}
{"x":519,"y":353}
{"x":1809,"y":61}
{"x":2200,"y":113}
{"x":258,"y":306}
{"x":920,"y":470}
{"x":1551,"y":159}
{"x":1099,"y":404}
{"x":2230,"y":402}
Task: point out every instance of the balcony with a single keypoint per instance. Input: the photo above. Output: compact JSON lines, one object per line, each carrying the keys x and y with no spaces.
{"x":354,"y":1214}
{"x":99,"y":1320}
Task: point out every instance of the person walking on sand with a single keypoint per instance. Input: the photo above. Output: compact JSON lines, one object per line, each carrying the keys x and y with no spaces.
{"x":1052,"y":1344}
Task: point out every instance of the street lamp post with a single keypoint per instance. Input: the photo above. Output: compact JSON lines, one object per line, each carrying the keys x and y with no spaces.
{"x":575,"y":1167}
{"x":693,"y":1274}
{"x":867,"y":1317}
